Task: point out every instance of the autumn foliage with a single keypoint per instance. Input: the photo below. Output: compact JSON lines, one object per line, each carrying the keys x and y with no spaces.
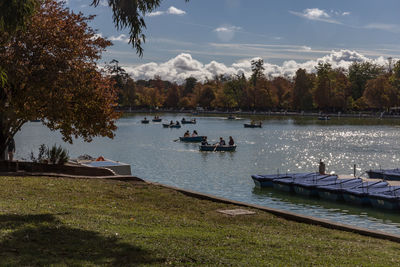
{"x":53,"y":76}
{"x":363,"y":86}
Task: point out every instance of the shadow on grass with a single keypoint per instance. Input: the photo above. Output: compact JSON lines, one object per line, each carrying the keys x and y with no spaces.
{"x":44,"y":240}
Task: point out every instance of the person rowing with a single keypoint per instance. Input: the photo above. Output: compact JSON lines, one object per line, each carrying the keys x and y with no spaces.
{"x":221,"y":142}
{"x":187,"y":134}
{"x":194,"y":134}
{"x":231,"y":142}
{"x":204,"y":141}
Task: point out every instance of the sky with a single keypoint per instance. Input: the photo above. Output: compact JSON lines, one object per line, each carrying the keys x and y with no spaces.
{"x":204,"y":38}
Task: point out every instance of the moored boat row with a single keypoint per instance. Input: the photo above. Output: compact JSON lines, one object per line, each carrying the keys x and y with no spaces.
{"x":358,"y":191}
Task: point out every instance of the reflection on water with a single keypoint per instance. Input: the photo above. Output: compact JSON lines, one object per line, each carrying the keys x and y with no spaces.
{"x":282,"y":145}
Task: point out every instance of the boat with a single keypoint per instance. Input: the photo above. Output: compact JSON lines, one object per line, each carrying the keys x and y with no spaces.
{"x":386,"y":200}
{"x":192,"y":139}
{"x":167,"y":125}
{"x":217,"y":148}
{"x":267,"y":180}
{"x":334,"y":191}
{"x":308,"y":187}
{"x":145,"y":121}
{"x":117,"y":167}
{"x":360,"y":195}
{"x":231,"y":117}
{"x":192,"y":121}
{"x":324,"y":118}
{"x":250,"y":125}
{"x":175,"y":126}
{"x":388,"y":174}
{"x":287,"y":184}
{"x":156,"y":119}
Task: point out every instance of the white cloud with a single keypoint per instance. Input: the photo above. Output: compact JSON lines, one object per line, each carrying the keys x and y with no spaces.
{"x":315,"y":14}
{"x":170,"y":11}
{"x":183,"y":66}
{"x":226,"y":32}
{"x":346,"y":13}
{"x":156,"y":13}
{"x":121,"y":38}
{"x":175,"y":11}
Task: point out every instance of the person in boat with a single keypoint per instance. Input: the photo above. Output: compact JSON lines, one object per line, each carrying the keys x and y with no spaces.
{"x":171,"y":123}
{"x":177,"y":123}
{"x":204,"y":141}
{"x":194,"y":134}
{"x":187,"y":134}
{"x":183,"y":119}
{"x":231,"y":142}
{"x":145,"y":119}
{"x":221,"y":142}
{"x":251,"y":122}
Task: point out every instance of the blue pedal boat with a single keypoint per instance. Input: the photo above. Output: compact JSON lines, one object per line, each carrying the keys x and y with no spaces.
{"x":267,"y":180}
{"x":386,"y":200}
{"x":390,"y":174}
{"x":308,"y":187}
{"x":334,"y":191}
{"x":360,"y":195}
{"x":286,"y":184}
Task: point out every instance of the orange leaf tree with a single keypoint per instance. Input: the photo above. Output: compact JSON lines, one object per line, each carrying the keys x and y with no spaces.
{"x":53,"y":76}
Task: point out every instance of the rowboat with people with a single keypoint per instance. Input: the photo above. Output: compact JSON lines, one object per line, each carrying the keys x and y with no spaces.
{"x":184,"y":121}
{"x":253,"y":125}
{"x":145,"y":121}
{"x":217,"y":148}
{"x":156,"y":119}
{"x":192,"y":139}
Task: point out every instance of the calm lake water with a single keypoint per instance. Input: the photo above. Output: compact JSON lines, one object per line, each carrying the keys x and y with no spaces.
{"x":283,"y":144}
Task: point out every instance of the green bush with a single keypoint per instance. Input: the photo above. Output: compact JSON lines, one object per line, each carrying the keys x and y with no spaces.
{"x":55,"y":155}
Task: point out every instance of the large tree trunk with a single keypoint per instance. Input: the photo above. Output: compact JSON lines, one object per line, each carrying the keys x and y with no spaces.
{"x":3,"y":143}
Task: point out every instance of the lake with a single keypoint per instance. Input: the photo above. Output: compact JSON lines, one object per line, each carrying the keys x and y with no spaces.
{"x":284,"y":144}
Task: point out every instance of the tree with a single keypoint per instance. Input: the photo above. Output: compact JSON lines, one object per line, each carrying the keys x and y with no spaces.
{"x":130,"y":14}
{"x":380,"y":94}
{"x":359,"y":74}
{"x":53,"y":76}
{"x":282,"y":88}
{"x":190,"y":83}
{"x":301,"y":95}
{"x":322,"y":91}
{"x":14,"y":16}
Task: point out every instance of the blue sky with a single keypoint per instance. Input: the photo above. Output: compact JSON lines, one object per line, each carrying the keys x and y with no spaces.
{"x":206,"y":37}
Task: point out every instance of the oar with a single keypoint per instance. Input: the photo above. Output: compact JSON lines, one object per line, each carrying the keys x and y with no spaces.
{"x":215,"y":149}
{"x":176,"y":140}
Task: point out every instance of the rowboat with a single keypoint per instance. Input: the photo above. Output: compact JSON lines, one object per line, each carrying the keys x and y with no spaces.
{"x":386,"y":200}
{"x":145,"y":121}
{"x":334,"y":191}
{"x":192,"y":121}
{"x":309,"y":187}
{"x":287,"y":184}
{"x":324,"y":118}
{"x":167,"y":125}
{"x":388,"y":174}
{"x":360,"y":195}
{"x":217,"y":148}
{"x":268,"y":179}
{"x":156,"y":120}
{"x":192,"y":139}
{"x":231,"y":117}
{"x":249,"y":125}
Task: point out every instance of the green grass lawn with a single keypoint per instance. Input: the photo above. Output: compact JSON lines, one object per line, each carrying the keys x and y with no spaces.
{"x":55,"y":221}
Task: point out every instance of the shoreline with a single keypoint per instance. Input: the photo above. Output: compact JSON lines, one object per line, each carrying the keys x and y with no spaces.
{"x":365,"y":115}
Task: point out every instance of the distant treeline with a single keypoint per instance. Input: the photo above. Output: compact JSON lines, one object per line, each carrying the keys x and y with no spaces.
{"x":363,"y":86}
